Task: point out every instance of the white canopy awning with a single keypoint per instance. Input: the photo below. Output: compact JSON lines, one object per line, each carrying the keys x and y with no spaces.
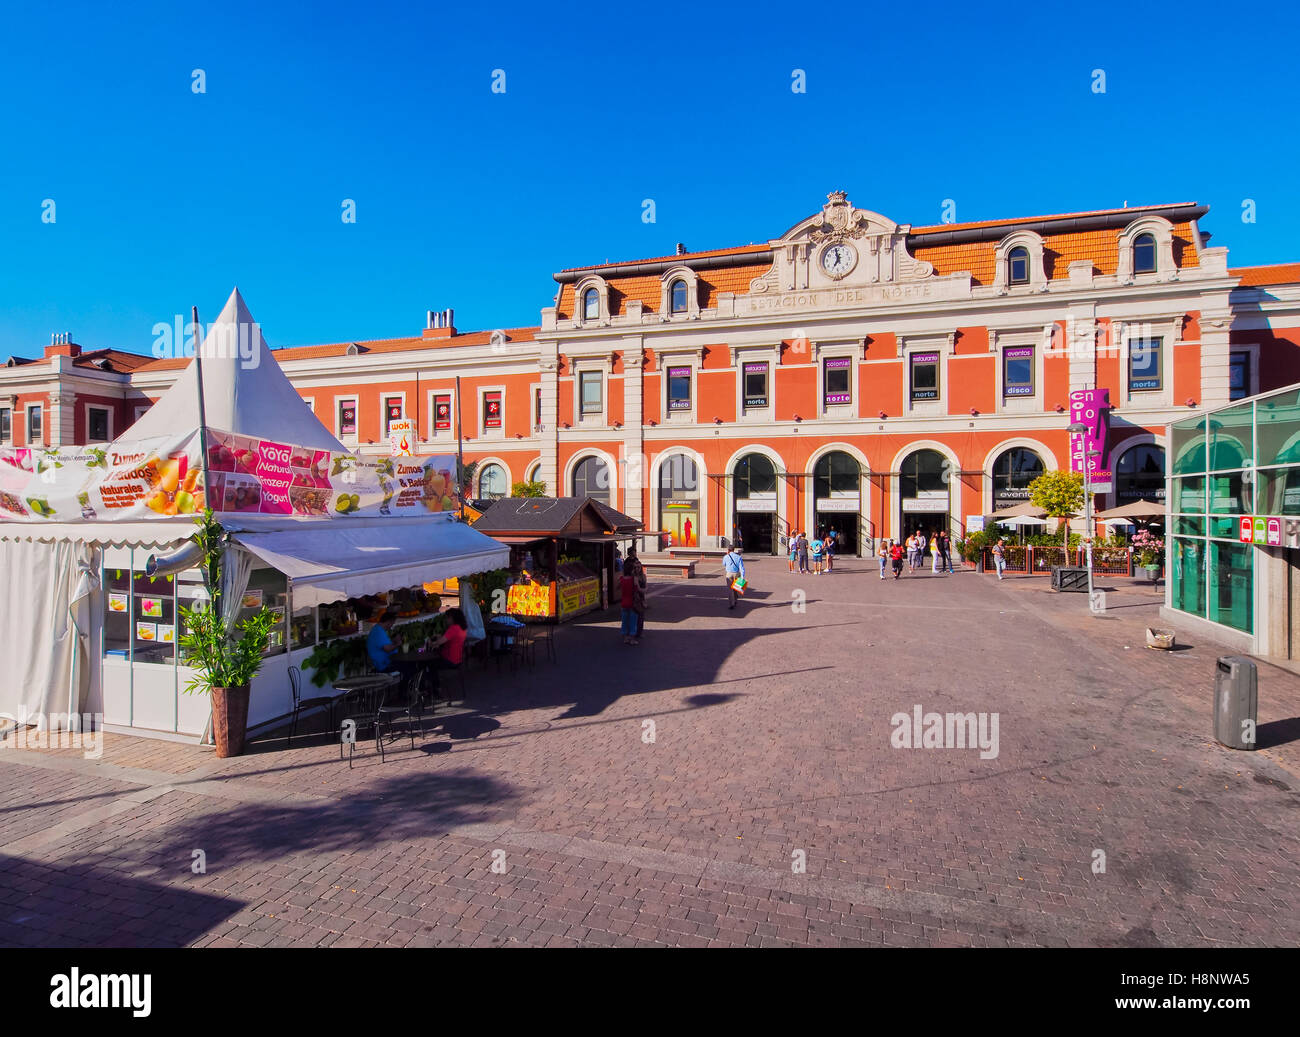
{"x":150,"y":533}
{"x":339,"y":560}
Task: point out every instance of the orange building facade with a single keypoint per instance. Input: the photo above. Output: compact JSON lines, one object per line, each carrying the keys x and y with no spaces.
{"x":853,"y":373}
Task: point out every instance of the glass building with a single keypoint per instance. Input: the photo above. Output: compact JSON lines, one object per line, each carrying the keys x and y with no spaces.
{"x":1234,"y":522}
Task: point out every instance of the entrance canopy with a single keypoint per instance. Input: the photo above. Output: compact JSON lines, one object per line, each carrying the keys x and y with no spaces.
{"x":337,"y":561}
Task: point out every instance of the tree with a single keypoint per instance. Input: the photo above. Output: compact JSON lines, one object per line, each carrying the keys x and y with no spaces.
{"x":531,"y":488}
{"x":1060,"y":494}
{"x":465,"y":473}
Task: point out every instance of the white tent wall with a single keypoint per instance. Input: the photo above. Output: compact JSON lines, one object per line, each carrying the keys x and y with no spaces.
{"x":46,"y":659}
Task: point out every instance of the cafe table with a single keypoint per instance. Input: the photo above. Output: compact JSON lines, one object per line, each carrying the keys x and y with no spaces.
{"x":362,"y":688}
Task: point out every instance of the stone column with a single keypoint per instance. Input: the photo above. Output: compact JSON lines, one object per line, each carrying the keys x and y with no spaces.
{"x":635,"y":473}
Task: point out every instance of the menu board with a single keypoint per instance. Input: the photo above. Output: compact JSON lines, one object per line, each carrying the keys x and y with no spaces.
{"x":578,"y":596}
{"x":162,"y":476}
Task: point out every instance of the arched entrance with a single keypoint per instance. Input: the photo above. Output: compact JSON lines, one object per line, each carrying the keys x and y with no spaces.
{"x":924,"y":501}
{"x":1013,"y":471}
{"x":1140,"y":474}
{"x":591,"y":479}
{"x":837,"y":499}
{"x":753,"y":496}
{"x":679,"y":499}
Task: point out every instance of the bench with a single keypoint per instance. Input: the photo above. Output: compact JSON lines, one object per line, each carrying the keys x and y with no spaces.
{"x":698,"y":553}
{"x":674,"y":568}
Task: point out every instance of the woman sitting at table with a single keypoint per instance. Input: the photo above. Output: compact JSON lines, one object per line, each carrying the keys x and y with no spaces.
{"x":451,"y":646}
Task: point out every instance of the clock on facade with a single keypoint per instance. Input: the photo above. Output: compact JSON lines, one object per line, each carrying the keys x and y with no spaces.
{"x":839,"y":258}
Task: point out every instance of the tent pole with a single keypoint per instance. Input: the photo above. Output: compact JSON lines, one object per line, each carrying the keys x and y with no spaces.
{"x":203,"y":461}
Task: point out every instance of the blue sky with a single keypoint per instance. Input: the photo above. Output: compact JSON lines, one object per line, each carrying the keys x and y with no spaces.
{"x":471,"y":199}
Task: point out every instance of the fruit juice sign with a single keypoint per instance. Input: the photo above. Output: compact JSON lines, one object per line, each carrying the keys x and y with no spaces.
{"x":276,"y":476}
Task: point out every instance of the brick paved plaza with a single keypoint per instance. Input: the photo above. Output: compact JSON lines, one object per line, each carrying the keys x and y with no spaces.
{"x":771,"y":735}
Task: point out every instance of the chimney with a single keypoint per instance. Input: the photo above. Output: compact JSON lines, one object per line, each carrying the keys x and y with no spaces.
{"x":440,"y":324}
{"x":681,"y":249}
{"x":61,"y":344}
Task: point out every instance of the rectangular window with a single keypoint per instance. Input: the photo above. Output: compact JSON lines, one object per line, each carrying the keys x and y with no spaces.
{"x":756,"y":386}
{"x":537,"y":408}
{"x":6,"y":424}
{"x":97,"y":425}
{"x":925,"y":376}
{"x":442,"y":413}
{"x":835,"y":377}
{"x":492,"y":409}
{"x":1017,"y":372}
{"x":679,"y":389}
{"x":34,"y":430}
{"x":1239,"y":386}
{"x":589,"y":391}
{"x":1144,"y":365}
{"x":392,"y":412}
{"x":347,"y":417}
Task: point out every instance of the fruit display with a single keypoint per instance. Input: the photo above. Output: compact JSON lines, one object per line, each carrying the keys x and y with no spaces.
{"x":175,"y":490}
{"x":11,"y":503}
{"x":346,"y":503}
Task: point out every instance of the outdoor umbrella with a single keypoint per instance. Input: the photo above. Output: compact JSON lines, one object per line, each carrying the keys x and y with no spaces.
{"x":1138,"y":509}
{"x":1024,"y":520}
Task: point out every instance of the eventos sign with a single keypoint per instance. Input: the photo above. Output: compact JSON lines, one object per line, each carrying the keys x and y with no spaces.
{"x":163,"y":478}
{"x":1091,"y":407}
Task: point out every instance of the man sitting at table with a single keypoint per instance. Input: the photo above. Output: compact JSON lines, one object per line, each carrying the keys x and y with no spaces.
{"x":451,"y":646}
{"x":380,"y":647}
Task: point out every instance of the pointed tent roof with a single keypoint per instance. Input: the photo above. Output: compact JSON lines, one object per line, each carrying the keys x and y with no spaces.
{"x":244,"y":390}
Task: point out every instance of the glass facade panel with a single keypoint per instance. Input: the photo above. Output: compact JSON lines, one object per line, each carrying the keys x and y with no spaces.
{"x":1186,"y":525}
{"x":1189,"y":496}
{"x":1232,"y":589}
{"x":1279,"y":491}
{"x":1277,"y":429}
{"x":1230,"y":494}
{"x":1225,"y":527}
{"x":1187,"y":446}
{"x":1187,"y":571}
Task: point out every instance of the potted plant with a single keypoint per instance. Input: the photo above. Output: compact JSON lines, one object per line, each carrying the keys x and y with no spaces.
{"x":224,"y":661}
{"x":1148,"y":553}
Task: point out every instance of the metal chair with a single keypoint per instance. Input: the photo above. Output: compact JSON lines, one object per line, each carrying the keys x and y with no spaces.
{"x":367,"y":718}
{"x":408,"y":702}
{"x":545,"y":633}
{"x":300,"y":703}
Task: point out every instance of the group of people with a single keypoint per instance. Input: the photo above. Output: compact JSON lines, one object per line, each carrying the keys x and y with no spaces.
{"x":814,"y":556}
{"x":916,"y":549}
{"x":450,"y":646}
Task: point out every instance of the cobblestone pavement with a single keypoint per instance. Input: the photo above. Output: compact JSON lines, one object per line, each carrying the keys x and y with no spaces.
{"x":770,"y":748}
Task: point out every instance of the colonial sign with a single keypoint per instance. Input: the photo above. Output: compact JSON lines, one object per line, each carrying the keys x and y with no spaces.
{"x":1090,"y":407}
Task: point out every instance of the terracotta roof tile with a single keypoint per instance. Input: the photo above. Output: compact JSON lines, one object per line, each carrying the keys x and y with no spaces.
{"x":1135,"y":209}
{"x":740,"y":250}
{"x":1272,"y":273}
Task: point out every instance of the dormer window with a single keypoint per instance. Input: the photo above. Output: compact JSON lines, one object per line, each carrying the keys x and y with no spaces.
{"x":677,"y":293}
{"x":1018,"y":265}
{"x":591,"y":304}
{"x":1144,"y":254}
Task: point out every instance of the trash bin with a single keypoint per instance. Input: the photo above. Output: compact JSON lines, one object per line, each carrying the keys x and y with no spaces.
{"x":1236,"y":702}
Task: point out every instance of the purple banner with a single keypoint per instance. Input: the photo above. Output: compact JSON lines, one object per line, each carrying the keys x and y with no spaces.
{"x":1091,"y":407}
{"x":1019,"y":351}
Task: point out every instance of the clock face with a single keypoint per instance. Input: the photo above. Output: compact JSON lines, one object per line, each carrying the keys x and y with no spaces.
{"x":838,"y":259}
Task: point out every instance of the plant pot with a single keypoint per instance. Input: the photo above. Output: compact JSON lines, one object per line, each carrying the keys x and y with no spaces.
{"x":1152,"y":573}
{"x":229,"y":720}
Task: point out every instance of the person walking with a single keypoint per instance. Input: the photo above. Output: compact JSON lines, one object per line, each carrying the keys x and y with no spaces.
{"x":883,"y":554}
{"x":627,"y":594}
{"x":945,"y":550}
{"x":1000,"y":556}
{"x":934,"y":552}
{"x":637,"y":570}
{"x":913,"y":551}
{"x":896,"y":557}
{"x":793,"y":545}
{"x":828,"y":546}
{"x":733,"y":569}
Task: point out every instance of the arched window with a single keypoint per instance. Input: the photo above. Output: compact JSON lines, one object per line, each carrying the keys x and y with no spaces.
{"x":1140,"y":474}
{"x":677,"y":297}
{"x":492,"y":482}
{"x":1018,"y":265}
{"x":754,"y":474}
{"x":923,"y":491}
{"x":679,"y":477}
{"x":1144,"y":254}
{"x":836,"y":473}
{"x":591,"y":304}
{"x":1013,"y":471}
{"x":591,"y":479}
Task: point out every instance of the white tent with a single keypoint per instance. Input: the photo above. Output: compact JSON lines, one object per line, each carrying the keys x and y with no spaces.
{"x":52,"y":614}
{"x":244,"y":390}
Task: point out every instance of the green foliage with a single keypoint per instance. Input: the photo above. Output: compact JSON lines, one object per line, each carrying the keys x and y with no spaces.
{"x":219,"y":658}
{"x":1058,"y":493}
{"x":465,"y":474}
{"x":971,"y":547}
{"x":533,"y":488}
{"x":485,"y":585}
{"x":347,"y":656}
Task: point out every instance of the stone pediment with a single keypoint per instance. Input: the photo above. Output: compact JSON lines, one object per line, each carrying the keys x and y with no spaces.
{"x":841,"y":246}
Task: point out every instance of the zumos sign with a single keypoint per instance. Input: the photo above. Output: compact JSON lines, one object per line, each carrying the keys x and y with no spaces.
{"x":1091,"y":407}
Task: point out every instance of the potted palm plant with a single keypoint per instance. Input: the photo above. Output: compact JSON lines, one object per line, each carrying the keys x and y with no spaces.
{"x":1148,"y":552}
{"x":224,"y":661}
